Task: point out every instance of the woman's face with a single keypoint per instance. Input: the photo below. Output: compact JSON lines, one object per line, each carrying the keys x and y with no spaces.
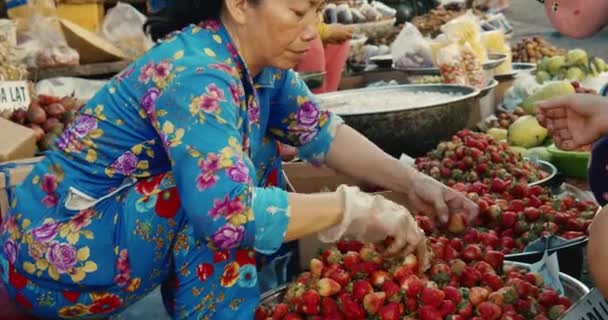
{"x":279,"y":32}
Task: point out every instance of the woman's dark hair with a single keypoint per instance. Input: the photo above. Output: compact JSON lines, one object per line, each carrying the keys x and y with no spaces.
{"x":181,"y":13}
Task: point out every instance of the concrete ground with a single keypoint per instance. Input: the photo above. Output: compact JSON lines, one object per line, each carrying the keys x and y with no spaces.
{"x":528,"y":19}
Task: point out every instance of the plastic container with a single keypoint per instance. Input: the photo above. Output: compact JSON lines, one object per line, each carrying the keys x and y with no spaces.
{"x":571,"y":164}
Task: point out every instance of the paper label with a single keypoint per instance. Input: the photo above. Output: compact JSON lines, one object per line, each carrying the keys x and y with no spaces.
{"x":14,"y":95}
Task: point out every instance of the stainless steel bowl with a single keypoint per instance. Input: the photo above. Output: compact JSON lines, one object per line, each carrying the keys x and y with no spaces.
{"x":413,"y":130}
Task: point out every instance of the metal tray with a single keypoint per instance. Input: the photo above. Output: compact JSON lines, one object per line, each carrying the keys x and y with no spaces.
{"x":494,"y":60}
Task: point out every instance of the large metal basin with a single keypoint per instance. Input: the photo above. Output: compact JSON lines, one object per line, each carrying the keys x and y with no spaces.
{"x":413,"y":130}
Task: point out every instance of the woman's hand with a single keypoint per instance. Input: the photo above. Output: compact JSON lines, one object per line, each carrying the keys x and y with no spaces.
{"x":427,"y":195}
{"x":575,"y":120}
{"x":338,"y":33}
{"x":372,"y":218}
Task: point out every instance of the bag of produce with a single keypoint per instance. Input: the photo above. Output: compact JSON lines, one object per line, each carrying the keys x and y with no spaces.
{"x":411,"y":49}
{"x":123,"y":26}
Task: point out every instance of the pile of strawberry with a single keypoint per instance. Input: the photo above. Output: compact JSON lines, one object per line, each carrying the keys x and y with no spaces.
{"x":511,"y":215}
{"x":472,"y":156}
{"x":353,"y":281}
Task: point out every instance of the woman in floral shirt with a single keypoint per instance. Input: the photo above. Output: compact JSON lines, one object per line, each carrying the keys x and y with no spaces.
{"x":163,"y":177}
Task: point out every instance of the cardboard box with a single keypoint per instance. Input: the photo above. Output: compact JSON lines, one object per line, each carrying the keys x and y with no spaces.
{"x":16,"y":141}
{"x":305,"y":178}
{"x":11,"y":175}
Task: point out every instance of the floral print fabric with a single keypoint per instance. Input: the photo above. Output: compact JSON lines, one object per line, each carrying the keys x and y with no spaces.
{"x":177,"y":152}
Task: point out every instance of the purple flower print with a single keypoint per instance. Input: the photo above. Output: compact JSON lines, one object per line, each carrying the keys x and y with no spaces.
{"x":10,"y":250}
{"x":205,"y":181}
{"x":148,"y":103}
{"x":228,"y":236}
{"x":226,"y":208}
{"x":308,"y":114}
{"x":84,"y":124}
{"x":239,"y":172}
{"x":45,"y":232}
{"x":125,"y":164}
{"x":62,"y":256}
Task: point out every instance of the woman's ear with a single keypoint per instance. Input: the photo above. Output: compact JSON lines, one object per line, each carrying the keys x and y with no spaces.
{"x":237,"y":10}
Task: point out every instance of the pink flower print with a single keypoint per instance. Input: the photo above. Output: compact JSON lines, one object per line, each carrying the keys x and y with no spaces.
{"x":146,"y":72}
{"x":228,"y":236}
{"x":45,"y":232}
{"x":236,"y":92}
{"x":222,"y":67}
{"x":239,"y":172}
{"x":210,"y":25}
{"x":10,"y":250}
{"x":161,"y":71}
{"x":49,"y":183}
{"x":126,"y":164}
{"x":226,"y":208}
{"x":62,"y":256}
{"x":205,"y":181}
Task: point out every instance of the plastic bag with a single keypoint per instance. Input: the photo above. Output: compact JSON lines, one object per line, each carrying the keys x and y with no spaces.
{"x":410,"y":49}
{"x":123,"y":26}
{"x":45,"y":44}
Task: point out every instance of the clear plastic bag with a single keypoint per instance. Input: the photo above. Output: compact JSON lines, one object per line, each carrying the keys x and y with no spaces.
{"x":123,"y":26}
{"x":410,"y":49}
{"x":45,"y":44}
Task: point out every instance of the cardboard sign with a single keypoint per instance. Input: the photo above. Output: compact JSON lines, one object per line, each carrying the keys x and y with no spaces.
{"x":14,"y":95}
{"x":593,"y":306}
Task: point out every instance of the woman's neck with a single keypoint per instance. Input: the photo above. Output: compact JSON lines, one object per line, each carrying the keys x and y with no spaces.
{"x":253,"y":65}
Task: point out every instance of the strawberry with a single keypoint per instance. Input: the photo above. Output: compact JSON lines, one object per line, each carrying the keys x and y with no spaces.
{"x":311,"y":303}
{"x":391,"y":311}
{"x":492,"y":280}
{"x":360,"y":289}
{"x":508,"y":219}
{"x":494,"y":258}
{"x":478,"y":295}
{"x":332,"y":256}
{"x":447,"y":307}
{"x":316,"y":268}
{"x":340,"y":276}
{"x":350,"y":260}
{"x":489,"y":311}
{"x":292,"y":316}
{"x":379,"y":277}
{"x":431,"y":297}
{"x":452,"y":294}
{"x":372,"y":302}
{"x":440,"y":273}
{"x":350,"y":308}
{"x":280,"y":310}
{"x":470,"y":277}
{"x":329,"y":306}
{"x":483,"y":267}
{"x":471,"y":252}
{"x":412,"y":286}
{"x":457,"y":266}
{"x":548,"y":298}
{"x":457,"y":223}
{"x":429,"y":313}
{"x":328,"y":287}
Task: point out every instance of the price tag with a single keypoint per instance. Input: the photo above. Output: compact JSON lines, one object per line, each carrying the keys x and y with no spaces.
{"x":14,"y":95}
{"x":593,"y":306}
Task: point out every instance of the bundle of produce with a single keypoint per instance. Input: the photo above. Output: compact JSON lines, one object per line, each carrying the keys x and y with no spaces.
{"x":477,"y":157}
{"x":354,"y":281}
{"x":575,"y":65}
{"x":47,"y":116}
{"x":534,"y":49}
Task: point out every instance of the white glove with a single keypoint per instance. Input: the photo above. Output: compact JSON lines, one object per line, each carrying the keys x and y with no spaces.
{"x":371,"y":218}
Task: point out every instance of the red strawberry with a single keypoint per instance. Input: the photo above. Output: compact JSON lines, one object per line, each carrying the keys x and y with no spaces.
{"x":471,"y":252}
{"x":452,"y":294}
{"x":329,"y":306}
{"x":508,"y":219}
{"x":432,"y":297}
{"x":328,"y":287}
{"x":311,"y":303}
{"x":548,"y":298}
{"x":489,"y":311}
{"x":412,"y":286}
{"x":478,"y":295}
{"x":316,"y":267}
{"x":447,"y":307}
{"x":167,"y":203}
{"x":360,"y":289}
{"x":470,"y":277}
{"x":350,"y":260}
{"x":494,"y":258}
{"x":350,"y":308}
{"x":492,"y":280}
{"x":483,"y":267}
{"x":378,"y":277}
{"x":372,"y":302}
{"x":391,"y":311}
{"x":340,"y":276}
{"x":280,"y":310}
{"x":429,"y":313}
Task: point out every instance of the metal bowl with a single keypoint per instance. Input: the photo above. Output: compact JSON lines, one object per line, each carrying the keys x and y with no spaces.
{"x":494,"y":60}
{"x":573,"y":288}
{"x":411,"y":130}
{"x":313,"y":80}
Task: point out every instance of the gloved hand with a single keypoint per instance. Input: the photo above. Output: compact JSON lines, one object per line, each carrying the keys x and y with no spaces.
{"x":372,"y":218}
